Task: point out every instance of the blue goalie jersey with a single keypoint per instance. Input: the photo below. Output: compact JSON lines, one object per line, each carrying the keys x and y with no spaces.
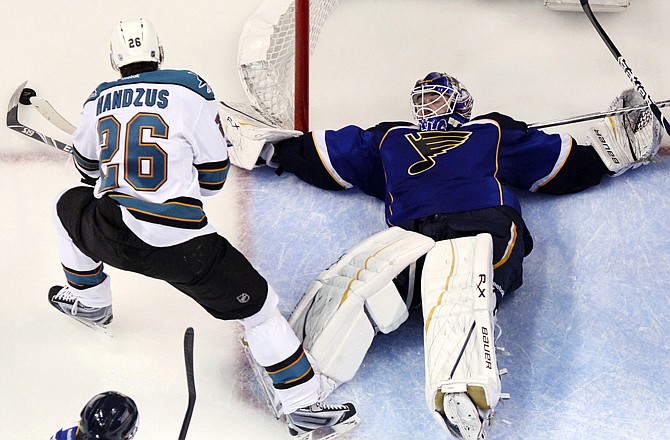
{"x":423,"y":173}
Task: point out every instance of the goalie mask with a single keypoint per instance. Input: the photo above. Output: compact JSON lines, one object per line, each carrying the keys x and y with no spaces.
{"x":109,"y":416}
{"x":440,"y":102}
{"x":133,"y":42}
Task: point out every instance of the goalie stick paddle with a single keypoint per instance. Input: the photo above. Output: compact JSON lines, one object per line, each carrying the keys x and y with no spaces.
{"x":47,"y":111}
{"x":592,"y":116}
{"x":624,"y":65}
{"x":190,"y":381}
{"x":14,"y":124}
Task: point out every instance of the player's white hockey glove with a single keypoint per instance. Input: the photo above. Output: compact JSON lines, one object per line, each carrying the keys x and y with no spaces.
{"x":250,"y":138}
{"x":628,"y":140}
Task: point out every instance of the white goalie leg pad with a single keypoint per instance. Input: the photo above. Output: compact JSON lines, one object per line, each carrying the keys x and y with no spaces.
{"x":628,"y":140}
{"x":462,"y":378}
{"x":355,"y":297}
{"x":250,"y":138}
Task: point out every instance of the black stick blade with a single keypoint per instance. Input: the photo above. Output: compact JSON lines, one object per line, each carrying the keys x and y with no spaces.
{"x":190,"y":381}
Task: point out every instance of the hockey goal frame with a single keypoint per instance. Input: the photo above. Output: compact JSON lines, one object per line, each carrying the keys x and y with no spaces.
{"x":266,"y":70}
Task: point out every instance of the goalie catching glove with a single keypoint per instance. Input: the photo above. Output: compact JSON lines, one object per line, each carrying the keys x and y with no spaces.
{"x":627,"y":140}
{"x":250,"y":138}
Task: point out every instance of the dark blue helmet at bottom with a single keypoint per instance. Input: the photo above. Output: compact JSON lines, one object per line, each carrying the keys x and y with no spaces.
{"x":109,"y":416}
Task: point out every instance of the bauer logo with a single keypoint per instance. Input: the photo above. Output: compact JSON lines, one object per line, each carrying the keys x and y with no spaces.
{"x":486,"y":341}
{"x":606,"y":146}
{"x":243,"y":298}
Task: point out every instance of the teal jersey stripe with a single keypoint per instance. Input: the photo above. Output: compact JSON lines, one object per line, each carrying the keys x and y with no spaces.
{"x":83,"y":280}
{"x":85,"y":163}
{"x":214,"y":175}
{"x":293,"y":374}
{"x":185,"y":213}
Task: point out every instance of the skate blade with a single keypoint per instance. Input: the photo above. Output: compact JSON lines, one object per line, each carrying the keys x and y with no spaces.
{"x":98,"y":328}
{"x":271,"y":399}
{"x":340,"y":429}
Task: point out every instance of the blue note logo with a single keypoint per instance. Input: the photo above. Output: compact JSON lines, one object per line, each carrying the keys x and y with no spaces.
{"x":430,"y":144}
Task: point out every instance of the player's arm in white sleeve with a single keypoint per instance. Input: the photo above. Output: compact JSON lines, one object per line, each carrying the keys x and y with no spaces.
{"x":209,"y":144}
{"x":85,"y":153}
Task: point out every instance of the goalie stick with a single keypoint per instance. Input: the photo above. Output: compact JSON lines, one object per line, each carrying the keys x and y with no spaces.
{"x":27,"y":96}
{"x":656,"y":111}
{"x":190,"y":381}
{"x":592,"y":116}
{"x":14,"y":124}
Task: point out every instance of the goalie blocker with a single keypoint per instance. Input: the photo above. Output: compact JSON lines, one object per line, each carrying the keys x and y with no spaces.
{"x":250,"y":137}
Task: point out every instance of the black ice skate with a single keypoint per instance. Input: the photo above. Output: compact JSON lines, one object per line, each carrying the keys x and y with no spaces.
{"x":95,"y":317}
{"x":327,"y":421}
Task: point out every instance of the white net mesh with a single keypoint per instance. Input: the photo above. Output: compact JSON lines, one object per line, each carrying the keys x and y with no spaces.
{"x":266,"y":56}
{"x":641,"y":128}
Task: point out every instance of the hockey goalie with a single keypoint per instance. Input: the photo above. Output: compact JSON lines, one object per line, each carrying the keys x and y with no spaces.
{"x":448,"y":183}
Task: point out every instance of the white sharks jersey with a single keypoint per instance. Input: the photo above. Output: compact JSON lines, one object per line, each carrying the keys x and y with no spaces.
{"x":154,"y":144}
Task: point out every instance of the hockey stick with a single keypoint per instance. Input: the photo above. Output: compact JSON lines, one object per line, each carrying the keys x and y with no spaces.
{"x":624,"y":65}
{"x":190,"y":381}
{"x":592,"y":116}
{"x":246,"y":111}
{"x":29,"y":97}
{"x":14,"y":124}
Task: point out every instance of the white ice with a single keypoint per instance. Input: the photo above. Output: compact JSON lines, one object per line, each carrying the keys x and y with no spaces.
{"x":586,"y":333}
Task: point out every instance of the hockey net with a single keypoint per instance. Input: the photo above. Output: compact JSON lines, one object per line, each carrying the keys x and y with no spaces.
{"x":267,"y":56}
{"x":275,"y":79}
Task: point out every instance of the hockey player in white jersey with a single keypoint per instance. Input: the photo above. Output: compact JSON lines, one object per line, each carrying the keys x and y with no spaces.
{"x":151,"y":144}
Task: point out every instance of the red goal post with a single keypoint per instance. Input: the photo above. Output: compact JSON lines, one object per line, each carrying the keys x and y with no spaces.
{"x":273,"y":58}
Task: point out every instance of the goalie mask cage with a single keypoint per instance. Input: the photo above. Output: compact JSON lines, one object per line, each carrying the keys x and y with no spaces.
{"x":273,"y":58}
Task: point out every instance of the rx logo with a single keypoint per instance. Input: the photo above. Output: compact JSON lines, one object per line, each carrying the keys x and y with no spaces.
{"x":481,"y":285}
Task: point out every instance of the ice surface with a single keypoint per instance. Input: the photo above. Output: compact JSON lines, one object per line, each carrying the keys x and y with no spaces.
{"x":586,"y":333}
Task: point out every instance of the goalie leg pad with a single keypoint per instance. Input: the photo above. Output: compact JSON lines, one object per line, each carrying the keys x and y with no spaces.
{"x":458,"y":306}
{"x":355,"y":297}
